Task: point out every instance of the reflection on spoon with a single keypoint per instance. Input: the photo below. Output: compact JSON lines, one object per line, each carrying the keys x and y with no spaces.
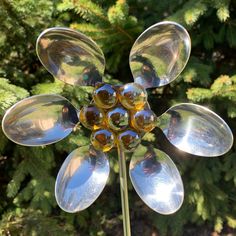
{"x":159,"y":54}
{"x":156,"y":180}
{"x":81,"y":179}
{"x":70,"y":56}
{"x":196,"y":130}
{"x":40,"y":120}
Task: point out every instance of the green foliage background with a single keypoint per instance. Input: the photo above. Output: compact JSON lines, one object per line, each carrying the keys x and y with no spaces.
{"x":27,"y":203}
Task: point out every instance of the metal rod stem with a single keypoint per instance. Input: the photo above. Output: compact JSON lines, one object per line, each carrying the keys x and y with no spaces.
{"x":124,"y":191}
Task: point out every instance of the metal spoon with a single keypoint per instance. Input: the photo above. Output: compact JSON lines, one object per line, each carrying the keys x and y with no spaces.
{"x":156,"y":180}
{"x":159,"y":54}
{"x":196,"y":130}
{"x":40,"y":120}
{"x":81,"y":179}
{"x":70,"y":56}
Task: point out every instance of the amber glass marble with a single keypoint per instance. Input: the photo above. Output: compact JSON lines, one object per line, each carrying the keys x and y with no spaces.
{"x":105,"y":96}
{"x":91,"y":117}
{"x":144,"y":120}
{"x":132,"y":96}
{"x":128,"y":140}
{"x":117,"y":118}
{"x":102,"y":140}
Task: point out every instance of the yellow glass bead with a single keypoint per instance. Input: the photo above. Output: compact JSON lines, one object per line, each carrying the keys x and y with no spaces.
{"x":117,"y":118}
{"x":91,"y":117}
{"x":144,"y":120}
{"x":102,"y":140}
{"x":105,"y":96}
{"x":132,"y":96}
{"x":128,"y":140}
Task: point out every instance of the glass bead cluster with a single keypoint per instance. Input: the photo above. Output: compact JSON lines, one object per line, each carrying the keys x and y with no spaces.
{"x":119,"y":115}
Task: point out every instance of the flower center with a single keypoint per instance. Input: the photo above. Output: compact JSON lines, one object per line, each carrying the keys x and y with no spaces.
{"x":118,"y":116}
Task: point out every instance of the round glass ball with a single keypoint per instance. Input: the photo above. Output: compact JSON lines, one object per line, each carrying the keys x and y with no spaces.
{"x":105,"y":96}
{"x":102,"y":140}
{"x":132,"y":96}
{"x":144,"y":120}
{"x":128,"y":140}
{"x":91,"y":117}
{"x":117,"y":118}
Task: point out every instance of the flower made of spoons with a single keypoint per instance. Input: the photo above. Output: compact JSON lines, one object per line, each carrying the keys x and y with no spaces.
{"x":118,"y":116}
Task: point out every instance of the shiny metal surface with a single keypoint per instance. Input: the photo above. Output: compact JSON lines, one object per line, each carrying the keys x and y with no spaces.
{"x":70,"y":56}
{"x":197,"y":130}
{"x":81,"y":179}
{"x":156,"y":180}
{"x":160,"y":54}
{"x":40,"y":120}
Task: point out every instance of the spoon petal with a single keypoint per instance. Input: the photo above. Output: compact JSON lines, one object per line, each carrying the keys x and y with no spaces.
{"x":159,"y":54}
{"x":196,"y":130}
{"x":40,"y":120}
{"x":70,"y":56}
{"x":81,"y":179}
{"x":156,"y":179}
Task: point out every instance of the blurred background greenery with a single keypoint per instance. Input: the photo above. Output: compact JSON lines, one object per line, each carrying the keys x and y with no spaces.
{"x":27,"y":203}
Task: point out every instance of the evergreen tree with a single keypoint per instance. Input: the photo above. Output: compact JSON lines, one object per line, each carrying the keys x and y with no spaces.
{"x":27,"y":202}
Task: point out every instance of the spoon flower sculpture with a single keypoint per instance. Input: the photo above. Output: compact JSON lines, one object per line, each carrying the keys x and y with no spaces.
{"x":118,"y":116}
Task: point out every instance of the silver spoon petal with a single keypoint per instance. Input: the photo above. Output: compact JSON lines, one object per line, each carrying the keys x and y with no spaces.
{"x":40,"y":120}
{"x":81,"y":179}
{"x":196,"y":130}
{"x":156,"y":179}
{"x":70,"y":56}
{"x":159,"y":54}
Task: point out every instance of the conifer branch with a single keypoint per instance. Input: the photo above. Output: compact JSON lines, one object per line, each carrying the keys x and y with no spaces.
{"x":16,"y":18}
{"x":91,"y":9}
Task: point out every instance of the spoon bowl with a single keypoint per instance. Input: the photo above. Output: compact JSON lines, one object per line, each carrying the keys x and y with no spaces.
{"x":40,"y":120}
{"x":156,"y":179}
{"x":196,"y":130}
{"x":159,"y":54}
{"x":81,"y":179}
{"x":70,"y":56}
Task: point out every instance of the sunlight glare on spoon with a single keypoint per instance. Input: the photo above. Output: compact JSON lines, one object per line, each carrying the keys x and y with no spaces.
{"x":156,"y":180}
{"x":196,"y":130}
{"x":40,"y":120}
{"x":81,"y":179}
{"x":70,"y":56}
{"x":160,"y":54}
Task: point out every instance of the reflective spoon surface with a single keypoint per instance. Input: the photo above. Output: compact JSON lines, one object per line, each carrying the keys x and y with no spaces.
{"x":156,"y":179}
{"x":81,"y":179}
{"x":196,"y":130}
{"x":40,"y":120}
{"x":70,"y":56}
{"x":159,"y":54}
